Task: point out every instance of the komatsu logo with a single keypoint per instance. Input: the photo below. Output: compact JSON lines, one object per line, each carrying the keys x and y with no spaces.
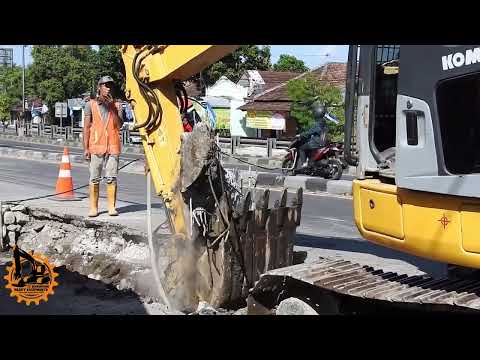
{"x":459,"y":59}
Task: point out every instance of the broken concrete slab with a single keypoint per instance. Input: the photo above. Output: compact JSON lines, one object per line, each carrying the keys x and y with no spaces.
{"x":20,"y":208}
{"x":12,"y":238}
{"x":9,"y":218}
{"x":15,"y":228}
{"x":294,"y":306}
{"x":21,"y":218}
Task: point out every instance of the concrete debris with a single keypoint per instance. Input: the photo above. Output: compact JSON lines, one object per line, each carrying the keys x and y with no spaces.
{"x":134,"y":254}
{"x":123,"y":285}
{"x":294,"y":306}
{"x":59,"y":248}
{"x":12,"y":238}
{"x":110,"y":254}
{"x":13,"y":227}
{"x":242,"y":311}
{"x":4,"y":231}
{"x":21,"y":218}
{"x":5,"y":208}
{"x":20,"y":208}
{"x":38,"y":226}
{"x":205,"y":308}
{"x":9,"y":218}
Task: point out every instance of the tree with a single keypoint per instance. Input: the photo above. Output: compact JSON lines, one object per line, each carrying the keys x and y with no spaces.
{"x":61,"y":72}
{"x":10,"y":90}
{"x":5,"y":106}
{"x":304,"y":91}
{"x":246,"y":57}
{"x":290,"y":63}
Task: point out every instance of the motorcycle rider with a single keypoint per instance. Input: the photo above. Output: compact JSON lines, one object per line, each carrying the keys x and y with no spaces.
{"x":316,"y":137}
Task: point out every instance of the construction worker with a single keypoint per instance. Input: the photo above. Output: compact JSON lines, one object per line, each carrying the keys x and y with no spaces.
{"x":101,"y":142}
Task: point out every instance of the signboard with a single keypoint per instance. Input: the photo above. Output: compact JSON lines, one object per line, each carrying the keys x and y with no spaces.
{"x":222,"y":118}
{"x":6,"y":57}
{"x":61,"y":109}
{"x":265,"y":120}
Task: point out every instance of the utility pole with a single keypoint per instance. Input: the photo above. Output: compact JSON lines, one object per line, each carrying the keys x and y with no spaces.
{"x":23,"y":79}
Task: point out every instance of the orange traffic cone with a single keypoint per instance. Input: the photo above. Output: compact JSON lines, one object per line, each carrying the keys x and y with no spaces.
{"x":64,"y":188}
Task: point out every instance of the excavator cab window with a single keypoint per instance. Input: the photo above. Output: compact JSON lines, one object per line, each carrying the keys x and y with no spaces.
{"x":458,"y":102}
{"x":384,"y":99}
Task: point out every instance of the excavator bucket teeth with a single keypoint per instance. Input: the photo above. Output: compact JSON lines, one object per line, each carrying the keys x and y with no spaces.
{"x":257,"y":239}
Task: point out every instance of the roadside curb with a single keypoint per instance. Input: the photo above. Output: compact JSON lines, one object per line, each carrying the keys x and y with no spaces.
{"x":128,"y":149}
{"x":135,"y":168}
{"x":308,"y":183}
{"x":311,"y":184}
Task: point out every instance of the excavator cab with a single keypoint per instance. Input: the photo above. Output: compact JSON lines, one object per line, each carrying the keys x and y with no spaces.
{"x":411,"y":129}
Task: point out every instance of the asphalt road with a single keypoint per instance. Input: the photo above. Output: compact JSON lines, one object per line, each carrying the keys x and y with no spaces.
{"x":327,"y":226}
{"x":327,"y":229}
{"x":21,"y":145}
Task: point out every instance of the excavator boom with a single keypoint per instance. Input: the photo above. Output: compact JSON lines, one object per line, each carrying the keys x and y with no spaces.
{"x":222,"y":239}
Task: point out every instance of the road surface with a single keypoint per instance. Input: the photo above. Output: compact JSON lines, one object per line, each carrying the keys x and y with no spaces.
{"x":21,"y":145}
{"x":327,"y":229}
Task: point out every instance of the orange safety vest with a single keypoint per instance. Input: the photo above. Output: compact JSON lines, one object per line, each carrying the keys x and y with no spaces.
{"x":104,"y":137}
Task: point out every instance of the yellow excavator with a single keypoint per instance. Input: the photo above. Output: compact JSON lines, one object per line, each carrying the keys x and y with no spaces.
{"x":411,"y":130}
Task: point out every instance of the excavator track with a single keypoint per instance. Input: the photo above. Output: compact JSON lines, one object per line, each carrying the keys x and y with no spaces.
{"x":342,"y":287}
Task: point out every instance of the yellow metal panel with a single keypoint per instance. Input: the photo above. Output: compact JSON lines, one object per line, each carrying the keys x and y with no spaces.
{"x":382,"y":213}
{"x":179,"y":62}
{"x":438,"y":227}
{"x":470,"y":217}
{"x":426,"y":235}
{"x":162,"y":145}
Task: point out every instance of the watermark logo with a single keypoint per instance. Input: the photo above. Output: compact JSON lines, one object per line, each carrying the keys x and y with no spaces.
{"x":31,"y":277}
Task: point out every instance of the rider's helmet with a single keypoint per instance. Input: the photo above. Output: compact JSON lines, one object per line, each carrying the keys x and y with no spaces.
{"x":319,"y":110}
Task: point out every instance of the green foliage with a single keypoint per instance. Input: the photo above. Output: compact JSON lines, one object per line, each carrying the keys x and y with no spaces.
{"x":246,"y":57}
{"x":10,"y":90}
{"x":304,"y":91}
{"x":5,"y":105}
{"x":61,"y":72}
{"x":290,"y":63}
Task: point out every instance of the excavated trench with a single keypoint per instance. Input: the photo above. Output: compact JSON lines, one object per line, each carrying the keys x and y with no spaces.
{"x":113,"y":254}
{"x":113,"y":259}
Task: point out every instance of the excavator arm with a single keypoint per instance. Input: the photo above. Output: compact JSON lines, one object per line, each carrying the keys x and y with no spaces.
{"x":222,"y":239}
{"x":153,"y":74}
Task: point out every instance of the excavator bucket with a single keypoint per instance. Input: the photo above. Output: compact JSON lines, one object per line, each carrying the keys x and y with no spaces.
{"x":235,"y":235}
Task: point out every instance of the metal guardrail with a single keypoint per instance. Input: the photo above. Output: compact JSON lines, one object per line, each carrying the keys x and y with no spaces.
{"x":133,"y":137}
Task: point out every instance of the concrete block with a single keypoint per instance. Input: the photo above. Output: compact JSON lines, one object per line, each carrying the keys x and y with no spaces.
{"x":294,"y":306}
{"x":262,"y":162}
{"x":9,"y":218}
{"x":267,"y":179}
{"x":21,"y":154}
{"x":316,"y":184}
{"x":21,"y":218}
{"x":15,"y":228}
{"x":20,"y":208}
{"x":11,"y":238}
{"x":37,"y":155}
{"x":339,"y":187}
{"x":295,"y":182}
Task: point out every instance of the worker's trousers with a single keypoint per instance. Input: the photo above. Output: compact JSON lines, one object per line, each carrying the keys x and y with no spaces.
{"x":111,"y":168}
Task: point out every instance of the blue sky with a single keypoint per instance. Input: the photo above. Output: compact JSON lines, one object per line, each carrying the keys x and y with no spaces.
{"x":312,"y":55}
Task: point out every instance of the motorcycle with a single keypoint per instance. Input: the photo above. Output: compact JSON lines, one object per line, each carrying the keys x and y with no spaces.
{"x":324,"y":162}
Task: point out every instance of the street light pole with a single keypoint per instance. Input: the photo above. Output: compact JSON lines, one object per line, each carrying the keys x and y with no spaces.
{"x":23,"y":79}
